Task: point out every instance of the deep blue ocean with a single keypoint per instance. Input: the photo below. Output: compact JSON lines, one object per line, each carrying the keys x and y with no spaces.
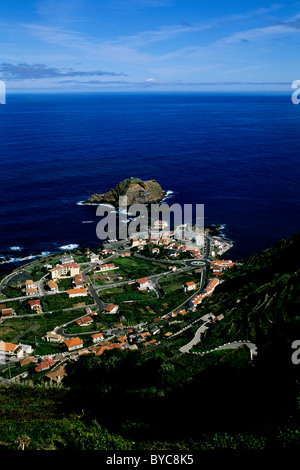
{"x":238,"y":154}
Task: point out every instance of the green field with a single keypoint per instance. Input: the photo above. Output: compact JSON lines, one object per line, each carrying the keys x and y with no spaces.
{"x":136,"y":268}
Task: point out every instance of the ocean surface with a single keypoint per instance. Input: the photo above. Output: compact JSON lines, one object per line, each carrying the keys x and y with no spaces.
{"x":238,"y":154}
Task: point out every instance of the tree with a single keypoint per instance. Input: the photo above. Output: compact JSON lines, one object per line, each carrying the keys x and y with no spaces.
{"x":23,"y":441}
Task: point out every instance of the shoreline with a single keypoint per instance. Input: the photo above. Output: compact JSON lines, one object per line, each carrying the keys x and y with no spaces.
{"x":7,"y":259}
{"x":167,"y":195}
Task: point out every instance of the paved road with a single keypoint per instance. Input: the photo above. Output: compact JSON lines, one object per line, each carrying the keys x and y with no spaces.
{"x":100,"y":304}
{"x":186,"y":348}
{"x":233,"y":345}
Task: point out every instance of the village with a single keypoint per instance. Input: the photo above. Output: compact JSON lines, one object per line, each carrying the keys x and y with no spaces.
{"x":132,"y":295}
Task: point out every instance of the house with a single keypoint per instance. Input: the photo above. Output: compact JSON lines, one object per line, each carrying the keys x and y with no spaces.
{"x":53,"y":337}
{"x":143,"y":283}
{"x":8,"y":312}
{"x":211,"y":285}
{"x":219,"y":265}
{"x":31,"y":291}
{"x":10,"y":351}
{"x":153,"y":240}
{"x":27,"y":349}
{"x":78,"y":292}
{"x":31,"y":287}
{"x":36,"y":305}
{"x":172,"y":268}
{"x":111,"y":308}
{"x":53,"y":287}
{"x":107,"y":252}
{"x":94,"y":258}
{"x":122,"y":339}
{"x":66,"y":259}
{"x":73,"y":344}
{"x":46,"y":364}
{"x":84,"y":321}
{"x":138,"y":242}
{"x":109,"y":346}
{"x":155,"y":250}
{"x":65,"y":270}
{"x":182,"y":312}
{"x":188,"y":286}
{"x":152,"y":341}
{"x":196,"y":300}
{"x":97,"y":337}
{"x":57,"y":374}
{"x":26,"y":361}
{"x":78,"y":281}
{"x":107,"y":267}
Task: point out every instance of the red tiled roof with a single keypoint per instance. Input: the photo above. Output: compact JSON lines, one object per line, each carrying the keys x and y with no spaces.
{"x":33,"y":303}
{"x":76,"y":291}
{"x":142,"y":281}
{"x":110,"y":307}
{"x":84,"y":320}
{"x":73,"y":342}
{"x":45,"y":364}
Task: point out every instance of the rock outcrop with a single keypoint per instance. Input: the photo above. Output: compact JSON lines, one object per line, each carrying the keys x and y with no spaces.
{"x":136,"y":191}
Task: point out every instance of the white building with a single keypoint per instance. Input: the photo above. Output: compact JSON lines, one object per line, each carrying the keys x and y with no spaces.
{"x":65,"y":270}
{"x":73,"y":344}
{"x":9,"y":351}
{"x":77,"y":292}
{"x":143,"y":283}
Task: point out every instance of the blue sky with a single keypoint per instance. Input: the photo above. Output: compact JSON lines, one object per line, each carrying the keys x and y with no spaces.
{"x":137,"y":45}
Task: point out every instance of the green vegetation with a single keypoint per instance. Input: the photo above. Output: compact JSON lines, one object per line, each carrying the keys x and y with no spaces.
{"x":62,"y":301}
{"x":126,"y":293}
{"x":156,"y":398}
{"x":31,"y":330}
{"x":35,"y":418}
{"x":136,"y":267}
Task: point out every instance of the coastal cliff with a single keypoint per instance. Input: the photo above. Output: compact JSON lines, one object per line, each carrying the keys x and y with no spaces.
{"x":136,"y":191}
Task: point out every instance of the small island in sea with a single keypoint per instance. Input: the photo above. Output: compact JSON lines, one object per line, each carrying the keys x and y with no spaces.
{"x":136,"y":190}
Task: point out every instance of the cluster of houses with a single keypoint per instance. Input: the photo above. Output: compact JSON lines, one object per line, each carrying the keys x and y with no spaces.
{"x":173,"y":248}
{"x":197,"y":299}
{"x":218,"y":266}
{"x":71,"y":269}
{"x":68,"y":270}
